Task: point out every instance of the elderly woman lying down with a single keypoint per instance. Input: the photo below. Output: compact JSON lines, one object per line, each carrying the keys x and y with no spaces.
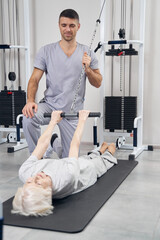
{"x":45,"y":179}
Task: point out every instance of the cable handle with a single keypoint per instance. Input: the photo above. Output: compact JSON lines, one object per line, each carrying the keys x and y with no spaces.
{"x":70,"y":115}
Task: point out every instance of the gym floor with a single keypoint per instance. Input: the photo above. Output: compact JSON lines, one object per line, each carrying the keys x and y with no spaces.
{"x":132,"y":212}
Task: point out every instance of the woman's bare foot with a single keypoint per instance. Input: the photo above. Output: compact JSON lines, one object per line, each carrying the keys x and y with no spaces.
{"x":112,"y":148}
{"x":104,"y":147}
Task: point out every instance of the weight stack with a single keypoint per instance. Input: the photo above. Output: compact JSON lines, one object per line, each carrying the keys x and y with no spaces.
{"x":11,"y":105}
{"x":120,"y":113}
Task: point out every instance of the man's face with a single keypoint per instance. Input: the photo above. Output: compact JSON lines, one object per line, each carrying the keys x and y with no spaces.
{"x":68,"y":28}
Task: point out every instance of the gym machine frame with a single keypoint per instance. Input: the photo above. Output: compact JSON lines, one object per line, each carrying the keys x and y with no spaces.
{"x":21,"y":143}
{"x":137,"y":147}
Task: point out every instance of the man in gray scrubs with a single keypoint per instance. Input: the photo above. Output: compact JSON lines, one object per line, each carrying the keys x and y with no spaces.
{"x":62,"y":63}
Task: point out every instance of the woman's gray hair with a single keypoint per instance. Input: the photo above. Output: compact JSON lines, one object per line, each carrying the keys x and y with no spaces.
{"x":32,"y":201}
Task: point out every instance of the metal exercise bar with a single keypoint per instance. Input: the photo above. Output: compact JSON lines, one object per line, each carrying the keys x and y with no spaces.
{"x":70,"y":115}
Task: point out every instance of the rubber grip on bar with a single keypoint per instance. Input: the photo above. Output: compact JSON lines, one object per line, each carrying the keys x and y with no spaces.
{"x":94,"y":114}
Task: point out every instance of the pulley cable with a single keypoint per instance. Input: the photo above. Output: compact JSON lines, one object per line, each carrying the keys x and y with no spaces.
{"x":83,"y":68}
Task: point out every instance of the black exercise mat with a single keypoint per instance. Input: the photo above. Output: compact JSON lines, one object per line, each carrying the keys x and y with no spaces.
{"x":73,"y":213}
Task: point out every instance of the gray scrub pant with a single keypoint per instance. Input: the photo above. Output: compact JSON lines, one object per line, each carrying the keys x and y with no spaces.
{"x":32,"y":130}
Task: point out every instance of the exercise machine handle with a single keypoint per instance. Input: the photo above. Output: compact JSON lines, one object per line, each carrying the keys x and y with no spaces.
{"x":98,"y":46}
{"x":94,"y":114}
{"x":70,"y":115}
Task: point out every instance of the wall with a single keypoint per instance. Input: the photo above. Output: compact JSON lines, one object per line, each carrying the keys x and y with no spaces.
{"x":152,"y":75}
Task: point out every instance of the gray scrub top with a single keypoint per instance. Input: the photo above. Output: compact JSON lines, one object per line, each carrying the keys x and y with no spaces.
{"x":62,"y":75}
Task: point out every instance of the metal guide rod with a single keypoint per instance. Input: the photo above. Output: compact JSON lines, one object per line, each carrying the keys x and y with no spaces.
{"x":122,"y":60}
{"x":131,"y":37}
{"x":14,"y":37}
{"x":27,"y":39}
{"x":18,"y":42}
{"x":72,"y":115}
{"x":113,"y":36}
{"x":123,"y":14}
{"x":9,"y":34}
{"x":13,"y":55}
{"x":3,"y":38}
